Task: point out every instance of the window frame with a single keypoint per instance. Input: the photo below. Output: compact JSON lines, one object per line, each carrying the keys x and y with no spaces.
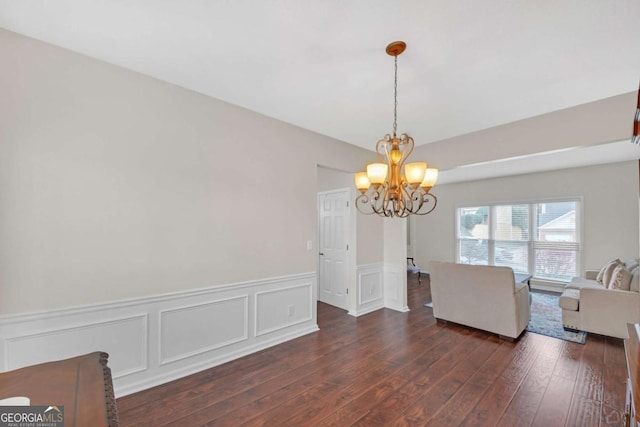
{"x":532,"y":237}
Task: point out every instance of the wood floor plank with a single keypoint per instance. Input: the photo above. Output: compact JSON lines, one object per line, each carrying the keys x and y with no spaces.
{"x":355,"y":366}
{"x":497,"y":398}
{"x":554,"y":407}
{"x":615,"y":373}
{"x":584,"y":412}
{"x":458,"y":371}
{"x":394,"y":361}
{"x":391,"y":367}
{"x":437,"y":364}
{"x":359,"y":407}
{"x":456,"y":409}
{"x":524,"y":405}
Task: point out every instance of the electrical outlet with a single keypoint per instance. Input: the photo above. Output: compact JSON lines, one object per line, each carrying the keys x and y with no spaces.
{"x":309,"y":245}
{"x":290,"y":310}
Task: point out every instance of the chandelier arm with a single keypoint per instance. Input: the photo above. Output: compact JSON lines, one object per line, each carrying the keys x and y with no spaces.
{"x":388,"y":203}
{"x":410,"y":144}
{"x":379,"y":202}
{"x":375,"y":201}
{"x":363,"y":199}
{"x":384,"y":141}
{"x":378,"y":206}
{"x":427,"y":197}
{"x":409,"y":199}
{"x":385,"y":146}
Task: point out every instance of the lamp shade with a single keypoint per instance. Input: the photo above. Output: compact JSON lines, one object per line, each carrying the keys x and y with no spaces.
{"x":377,"y":172}
{"x":430,"y":178}
{"x":414,"y":172}
{"x":362,"y":182}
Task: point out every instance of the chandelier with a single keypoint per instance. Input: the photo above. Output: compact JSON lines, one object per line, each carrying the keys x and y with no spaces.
{"x":393,"y":187}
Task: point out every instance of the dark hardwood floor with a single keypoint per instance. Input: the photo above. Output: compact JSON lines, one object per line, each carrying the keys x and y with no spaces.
{"x":398,"y":369}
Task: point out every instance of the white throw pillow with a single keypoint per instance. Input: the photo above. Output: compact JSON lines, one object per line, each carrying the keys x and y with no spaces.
{"x":604,"y":276}
{"x":600,"y":276}
{"x":620,"y":278}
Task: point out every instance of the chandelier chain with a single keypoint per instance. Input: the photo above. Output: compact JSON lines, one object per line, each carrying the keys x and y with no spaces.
{"x":395,"y":96}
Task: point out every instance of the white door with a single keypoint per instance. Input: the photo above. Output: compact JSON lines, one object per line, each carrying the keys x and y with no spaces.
{"x":334,"y":215}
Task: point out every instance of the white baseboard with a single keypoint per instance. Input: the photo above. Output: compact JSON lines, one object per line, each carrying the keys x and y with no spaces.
{"x":160,"y":338}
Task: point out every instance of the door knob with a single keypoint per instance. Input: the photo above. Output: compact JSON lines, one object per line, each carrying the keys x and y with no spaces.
{"x":321,"y":253}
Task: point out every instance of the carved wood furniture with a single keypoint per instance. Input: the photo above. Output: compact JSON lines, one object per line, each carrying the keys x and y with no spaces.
{"x":81,"y":384}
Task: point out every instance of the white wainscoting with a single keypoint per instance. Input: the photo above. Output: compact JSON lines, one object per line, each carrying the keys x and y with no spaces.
{"x":379,"y":285}
{"x":370,"y":292}
{"x":156,"y":339}
{"x":393,"y":286}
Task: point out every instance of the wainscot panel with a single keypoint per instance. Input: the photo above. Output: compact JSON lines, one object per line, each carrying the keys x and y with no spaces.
{"x":126,"y":337}
{"x":393,"y":289}
{"x":281,"y":308}
{"x":156,"y":339}
{"x":369,"y":289}
{"x":195,"y":329}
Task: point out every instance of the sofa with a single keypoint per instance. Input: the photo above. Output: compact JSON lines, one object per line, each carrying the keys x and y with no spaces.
{"x":480,"y":296}
{"x":603,"y":301}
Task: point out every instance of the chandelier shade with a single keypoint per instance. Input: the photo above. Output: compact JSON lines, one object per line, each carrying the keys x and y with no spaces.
{"x":392,"y":187}
{"x":414,"y":173}
{"x":377,"y":172}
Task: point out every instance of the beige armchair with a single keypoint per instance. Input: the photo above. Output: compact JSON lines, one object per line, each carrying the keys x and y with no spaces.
{"x":480,"y":296}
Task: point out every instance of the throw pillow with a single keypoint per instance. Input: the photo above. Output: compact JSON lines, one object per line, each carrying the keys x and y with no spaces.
{"x":631,"y":263}
{"x":635,"y":280}
{"x":602,"y":270}
{"x":605,"y":273}
{"x":620,"y":278}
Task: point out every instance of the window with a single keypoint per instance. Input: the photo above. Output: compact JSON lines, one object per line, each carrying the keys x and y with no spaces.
{"x":539,"y":238}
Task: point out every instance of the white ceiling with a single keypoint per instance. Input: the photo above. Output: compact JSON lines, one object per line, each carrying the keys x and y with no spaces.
{"x":321,"y":64}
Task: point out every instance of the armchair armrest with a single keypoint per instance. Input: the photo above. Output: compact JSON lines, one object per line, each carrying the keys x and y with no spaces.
{"x":591,"y":274}
{"x":607,"y":311}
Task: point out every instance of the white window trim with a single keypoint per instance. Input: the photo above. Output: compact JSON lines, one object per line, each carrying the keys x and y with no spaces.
{"x":532,"y":217}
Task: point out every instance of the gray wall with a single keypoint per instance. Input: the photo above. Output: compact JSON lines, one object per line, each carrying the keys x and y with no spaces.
{"x":116,"y":185}
{"x":610,"y":209}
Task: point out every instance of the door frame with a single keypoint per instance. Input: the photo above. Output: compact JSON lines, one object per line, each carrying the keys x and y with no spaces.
{"x":350,"y":228}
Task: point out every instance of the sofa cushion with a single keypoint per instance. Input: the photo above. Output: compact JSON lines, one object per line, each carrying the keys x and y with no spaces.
{"x":631,"y":263}
{"x":580,"y":282}
{"x":620,"y":278}
{"x":570,"y":299}
{"x":634,"y":286}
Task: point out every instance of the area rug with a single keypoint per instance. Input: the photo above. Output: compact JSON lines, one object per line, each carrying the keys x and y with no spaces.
{"x":546,"y":319}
